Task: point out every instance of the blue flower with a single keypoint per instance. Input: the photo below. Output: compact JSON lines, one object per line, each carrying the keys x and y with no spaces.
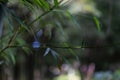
{"x":36,"y":44}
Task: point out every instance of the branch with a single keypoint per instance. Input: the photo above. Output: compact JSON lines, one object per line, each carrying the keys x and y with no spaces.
{"x":62,"y":47}
{"x":10,"y":46}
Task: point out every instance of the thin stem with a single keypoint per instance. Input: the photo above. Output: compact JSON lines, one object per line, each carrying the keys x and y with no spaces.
{"x":11,"y":40}
{"x":11,"y":46}
{"x":17,"y":31}
{"x":14,"y":36}
{"x":43,"y":14}
{"x":62,"y":47}
{"x":7,"y":48}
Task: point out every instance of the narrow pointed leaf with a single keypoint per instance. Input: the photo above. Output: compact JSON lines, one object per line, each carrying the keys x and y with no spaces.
{"x":27,"y":50}
{"x":71,"y":50}
{"x":28,"y":4}
{"x":11,"y":55}
{"x":13,"y":59}
{"x":54,"y":53}
{"x":47,"y":51}
{"x":7,"y":16}
{"x":56,"y":3}
{"x":69,"y":15}
{"x":60,"y":27}
{"x":20,"y":22}
{"x":45,"y":4}
{"x":97,"y":23}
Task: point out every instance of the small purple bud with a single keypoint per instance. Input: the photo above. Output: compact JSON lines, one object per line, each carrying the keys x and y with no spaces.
{"x":36,"y":44}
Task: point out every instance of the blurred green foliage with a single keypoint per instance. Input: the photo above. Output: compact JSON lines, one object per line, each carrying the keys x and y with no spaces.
{"x":37,"y":14}
{"x":88,"y":35}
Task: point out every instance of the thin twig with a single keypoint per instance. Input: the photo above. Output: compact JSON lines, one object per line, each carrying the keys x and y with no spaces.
{"x":62,"y":47}
{"x":14,"y":36}
{"x":11,"y":46}
{"x":10,"y":41}
{"x":43,"y":14}
{"x":17,"y":31}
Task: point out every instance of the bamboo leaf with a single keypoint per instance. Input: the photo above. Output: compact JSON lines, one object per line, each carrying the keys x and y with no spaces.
{"x":27,"y":50}
{"x":69,"y":15}
{"x":9,"y":56}
{"x":71,"y":50}
{"x":54,"y":53}
{"x":60,"y":27}
{"x":28,"y":4}
{"x":4,"y":56}
{"x":47,"y":51}
{"x":7,"y":16}
{"x":13,"y":59}
{"x":97,"y":23}
{"x":42,"y":3}
{"x":45,"y":4}
{"x":74,"y":20}
{"x":38,"y":2}
{"x":20,"y":22}
{"x":56,"y":3}
{"x":20,"y":41}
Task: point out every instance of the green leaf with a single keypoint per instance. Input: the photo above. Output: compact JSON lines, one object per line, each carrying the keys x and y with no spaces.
{"x":27,"y":50}
{"x":47,"y":51}
{"x":74,"y":20}
{"x":54,"y":54}
{"x":9,"y":56}
{"x":45,"y":4}
{"x":23,"y":44}
{"x":4,"y":56}
{"x":12,"y":56}
{"x":68,"y":15}
{"x":20,"y":21}
{"x":21,"y":41}
{"x":97,"y":23}
{"x":70,"y":50}
{"x":7,"y":16}
{"x":38,"y":2}
{"x":42,"y":3}
{"x":56,"y":3}
{"x":60,"y":27}
{"x":28,"y":4}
